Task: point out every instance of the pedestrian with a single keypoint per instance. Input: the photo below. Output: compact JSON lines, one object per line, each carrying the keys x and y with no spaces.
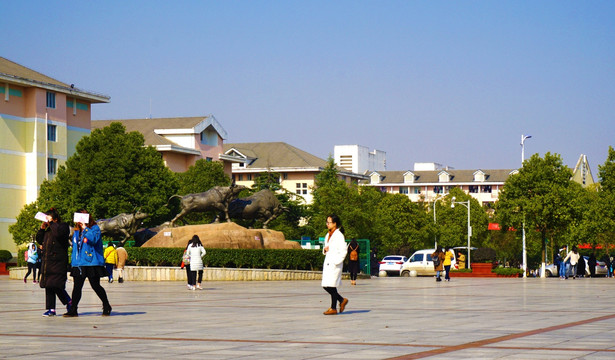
{"x":373,"y":262}
{"x":31,"y":260}
{"x":110,"y":256}
{"x":335,"y":252}
{"x":607,"y":262}
{"x":591,"y":262}
{"x":87,"y":263}
{"x":122,"y":256}
{"x":561,"y":265}
{"x":196,"y":251}
{"x":581,"y":266}
{"x":573,"y":256}
{"x":39,"y":261}
{"x":461,"y":260}
{"x":448,"y":261}
{"x":54,"y":236}
{"x":438,"y":262}
{"x":353,"y":261}
{"x":186,"y":264}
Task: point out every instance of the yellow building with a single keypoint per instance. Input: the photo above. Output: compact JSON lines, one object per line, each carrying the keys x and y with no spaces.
{"x":41,"y":121}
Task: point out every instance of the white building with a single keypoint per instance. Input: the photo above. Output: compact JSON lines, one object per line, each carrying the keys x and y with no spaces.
{"x":358,"y":159}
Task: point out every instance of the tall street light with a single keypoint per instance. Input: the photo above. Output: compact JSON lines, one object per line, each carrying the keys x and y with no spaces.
{"x":435,"y":240}
{"x":467,"y":205}
{"x":523,"y":138}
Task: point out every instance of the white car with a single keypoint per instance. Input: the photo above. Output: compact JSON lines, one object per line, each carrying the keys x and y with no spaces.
{"x":420,"y":263}
{"x":392,"y":264}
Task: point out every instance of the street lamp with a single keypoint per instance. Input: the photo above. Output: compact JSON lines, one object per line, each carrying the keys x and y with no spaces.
{"x":435,"y":237}
{"x":523,"y":138}
{"x":467,"y":205}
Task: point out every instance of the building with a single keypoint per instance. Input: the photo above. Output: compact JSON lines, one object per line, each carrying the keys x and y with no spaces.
{"x":582,"y":172}
{"x":41,"y":121}
{"x":297,"y":168}
{"x":181,"y":141}
{"x":358,"y":159}
{"x":428,"y":185}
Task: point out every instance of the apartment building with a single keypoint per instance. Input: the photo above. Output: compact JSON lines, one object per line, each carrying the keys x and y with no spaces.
{"x":181,"y":141}
{"x":428,"y":185}
{"x":41,"y":121}
{"x":358,"y":159}
{"x":297,"y":169}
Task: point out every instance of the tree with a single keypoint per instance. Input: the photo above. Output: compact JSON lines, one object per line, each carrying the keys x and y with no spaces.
{"x":401,"y":224}
{"x":606,"y":172}
{"x":26,"y":226}
{"x":540,"y":196}
{"x":453,"y":221}
{"x":110,"y":173}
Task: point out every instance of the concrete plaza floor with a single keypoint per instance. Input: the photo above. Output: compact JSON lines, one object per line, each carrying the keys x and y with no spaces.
{"x":398,"y":318}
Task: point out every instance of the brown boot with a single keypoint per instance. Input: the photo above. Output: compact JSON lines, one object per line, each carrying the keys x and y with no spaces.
{"x":330,"y":312}
{"x":343,"y":305}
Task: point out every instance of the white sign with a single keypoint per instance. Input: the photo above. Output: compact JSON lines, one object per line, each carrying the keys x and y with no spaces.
{"x":40,"y":216}
{"x":81,"y":218}
{"x":167,"y":233}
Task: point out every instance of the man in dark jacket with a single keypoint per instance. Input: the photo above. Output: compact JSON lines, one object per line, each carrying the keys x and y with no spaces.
{"x":54,"y":236}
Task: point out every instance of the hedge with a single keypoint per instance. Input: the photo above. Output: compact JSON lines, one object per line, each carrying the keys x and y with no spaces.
{"x":287,"y":259}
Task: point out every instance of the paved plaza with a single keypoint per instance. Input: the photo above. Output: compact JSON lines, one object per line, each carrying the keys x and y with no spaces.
{"x":386,"y":318}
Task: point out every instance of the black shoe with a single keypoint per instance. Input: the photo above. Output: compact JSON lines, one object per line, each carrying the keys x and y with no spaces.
{"x":120,"y":280}
{"x":71,"y":313}
{"x":106,"y":311}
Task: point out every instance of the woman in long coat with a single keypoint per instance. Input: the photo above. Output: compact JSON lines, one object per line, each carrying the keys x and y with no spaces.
{"x":335,"y":251}
{"x":54,"y":236}
{"x":440,"y":267}
{"x":196,"y":251}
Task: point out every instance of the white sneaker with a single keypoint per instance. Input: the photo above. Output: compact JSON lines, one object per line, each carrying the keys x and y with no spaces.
{"x":199,"y":287}
{"x":190,"y":287}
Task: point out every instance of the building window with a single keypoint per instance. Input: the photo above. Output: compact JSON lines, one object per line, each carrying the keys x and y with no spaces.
{"x":248,"y":177}
{"x":239,"y":177}
{"x":486,"y":189}
{"x":416,"y":190}
{"x":473,"y":189}
{"x":403,"y":190}
{"x":51,"y":132}
{"x":208,"y":159}
{"x":437,"y":189}
{"x":284,"y":176}
{"x":52,"y":166}
{"x":51,"y":100}
{"x":302,"y":188}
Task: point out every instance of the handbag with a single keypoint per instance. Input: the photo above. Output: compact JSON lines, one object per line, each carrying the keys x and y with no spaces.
{"x":186,"y":257}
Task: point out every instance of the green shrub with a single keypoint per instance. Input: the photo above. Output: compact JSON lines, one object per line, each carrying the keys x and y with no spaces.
{"x":462,"y":270}
{"x":5,"y":255}
{"x":292,"y":259}
{"x":507,"y":271}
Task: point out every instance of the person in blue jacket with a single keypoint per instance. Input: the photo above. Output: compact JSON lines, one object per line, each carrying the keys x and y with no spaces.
{"x":87,"y":263}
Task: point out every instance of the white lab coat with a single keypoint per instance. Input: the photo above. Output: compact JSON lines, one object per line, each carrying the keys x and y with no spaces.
{"x":334,"y":259}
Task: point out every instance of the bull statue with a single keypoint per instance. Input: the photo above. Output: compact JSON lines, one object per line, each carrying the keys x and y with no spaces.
{"x":122,"y":226}
{"x":217,"y":198}
{"x":263,"y":205}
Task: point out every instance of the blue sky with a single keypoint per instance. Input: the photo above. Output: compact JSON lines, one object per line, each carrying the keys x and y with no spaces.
{"x":453,"y":82}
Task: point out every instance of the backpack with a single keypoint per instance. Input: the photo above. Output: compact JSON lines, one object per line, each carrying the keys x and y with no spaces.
{"x":354,"y":255}
{"x":186,"y":257}
{"x":436,"y":260}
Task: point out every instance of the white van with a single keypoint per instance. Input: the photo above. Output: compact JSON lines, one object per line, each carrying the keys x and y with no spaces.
{"x":421,"y":263}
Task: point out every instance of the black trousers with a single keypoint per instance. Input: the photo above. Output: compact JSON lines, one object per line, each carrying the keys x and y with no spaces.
{"x":78,"y":282}
{"x":50,"y":297}
{"x":31,"y":267}
{"x":193,"y":277}
{"x":335,"y":297}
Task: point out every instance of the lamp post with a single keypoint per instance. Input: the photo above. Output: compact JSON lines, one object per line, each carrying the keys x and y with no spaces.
{"x":435,"y":237}
{"x":467,"y":205}
{"x":523,"y":138}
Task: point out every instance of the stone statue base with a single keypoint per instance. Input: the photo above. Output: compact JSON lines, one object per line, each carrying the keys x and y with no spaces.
{"x":222,"y":236}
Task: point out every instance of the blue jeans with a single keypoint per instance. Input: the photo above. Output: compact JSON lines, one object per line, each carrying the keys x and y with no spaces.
{"x":447,"y":269}
{"x":562,"y":269}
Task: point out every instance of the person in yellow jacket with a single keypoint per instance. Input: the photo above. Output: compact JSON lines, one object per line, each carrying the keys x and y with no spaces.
{"x":110,"y":260}
{"x":448,"y":260}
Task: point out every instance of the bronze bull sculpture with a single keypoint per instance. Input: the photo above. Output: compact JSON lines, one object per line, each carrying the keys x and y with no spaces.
{"x":217,"y":198}
{"x":121,"y":226}
{"x":263,"y":205}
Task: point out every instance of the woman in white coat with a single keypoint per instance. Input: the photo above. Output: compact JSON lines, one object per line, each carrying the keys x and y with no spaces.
{"x":335,"y":252}
{"x":196,"y":251}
